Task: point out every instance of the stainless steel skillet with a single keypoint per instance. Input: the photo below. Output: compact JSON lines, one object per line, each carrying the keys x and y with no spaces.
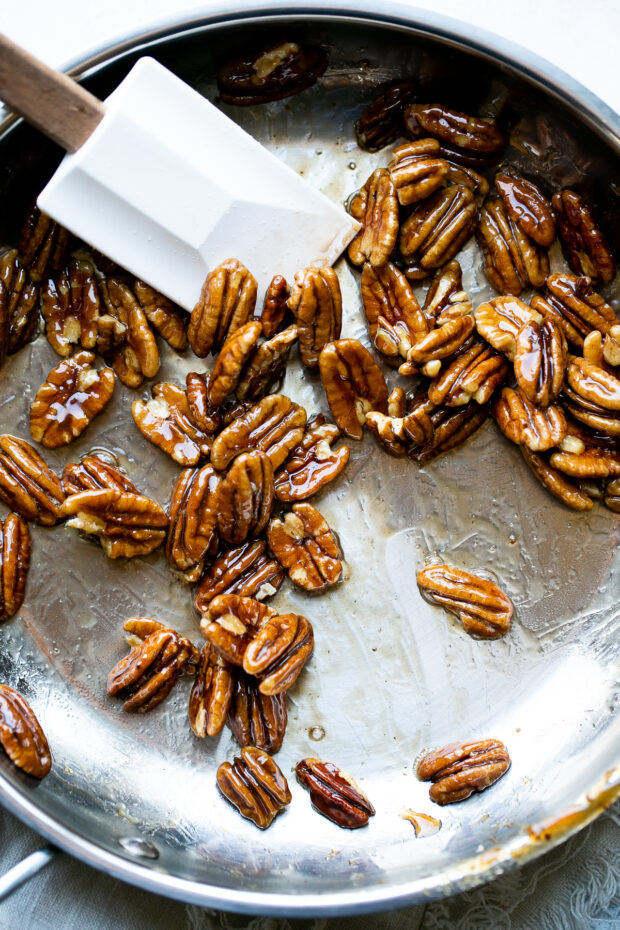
{"x":390,"y":675}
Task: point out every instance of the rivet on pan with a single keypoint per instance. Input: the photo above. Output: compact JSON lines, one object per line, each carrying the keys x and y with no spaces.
{"x":139,"y":847}
{"x":316,"y":733}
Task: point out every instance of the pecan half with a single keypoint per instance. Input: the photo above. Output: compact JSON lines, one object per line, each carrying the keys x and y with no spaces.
{"x":245,"y":498}
{"x":21,"y":302}
{"x":14,"y":564}
{"x":229,"y":364}
{"x":382,"y":120}
{"x":593,"y":415}
{"x":471,"y":140}
{"x":375,"y":206}
{"x":272,"y":73}
{"x":71,"y":307}
{"x":389,"y":431}
{"x":388,"y":296}
{"x":526,"y":424}
{"x":21,"y":735}
{"x":92,"y":474}
{"x":274,"y":426}
{"x":436,"y":229}
{"x":467,"y":176}
{"x":194,"y":509}
{"x":528,"y":207}
{"x":593,"y":462}
{"x":611,"y":346}
{"x":279,"y":651}
{"x":451,"y":426}
{"x":164,"y":316}
{"x":334,"y":793}
{"x":255,"y":786}
{"x":316,"y":302}
{"x":612,"y":495}
{"x":137,"y":357}
{"x":440,"y":343}
{"x":304,"y":544}
{"x":556,"y":483}
{"x":230,"y":623}
{"x":540,"y":361}
{"x":74,"y":393}
{"x":211,"y":694}
{"x":585,"y":246}
{"x":256,"y":719}
{"x":353,"y":384}
{"x":265,"y":369}
{"x":512,"y":260}
{"x":474,"y":374}
{"x":571,"y":302}
{"x":445,"y":299}
{"x":166,"y":422}
{"x":593,"y":384}
{"x":500,"y":320}
{"x":27,"y":483}
{"x":146,"y":676}
{"x":313,"y":463}
{"x":43,"y":244}
{"x":206,"y":418}
{"x":482,"y":607}
{"x":126,"y":523}
{"x":417,"y":171}
{"x":226,"y":302}
{"x":246,"y":570}
{"x":459,"y":769}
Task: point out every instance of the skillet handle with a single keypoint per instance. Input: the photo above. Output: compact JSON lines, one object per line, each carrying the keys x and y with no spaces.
{"x":20,"y":873}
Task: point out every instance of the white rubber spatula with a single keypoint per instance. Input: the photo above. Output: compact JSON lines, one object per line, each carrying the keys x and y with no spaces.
{"x":167,"y":186}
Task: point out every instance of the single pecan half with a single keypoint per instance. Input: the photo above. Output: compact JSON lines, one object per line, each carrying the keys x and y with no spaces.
{"x":27,"y":483}
{"x":43,"y":244}
{"x":573,"y":304}
{"x":93,"y":473}
{"x":555,"y":482}
{"x":540,"y":361}
{"x":232,"y":357}
{"x":313,"y":463}
{"x":265,"y":370}
{"x":445,"y":299}
{"x":512,"y":260}
{"x":166,"y":422}
{"x":194,"y":509}
{"x":334,"y":793}
{"x":146,"y":676}
{"x":474,"y":374}
{"x":480,"y":605}
{"x":14,"y":564}
{"x":73,"y":394}
{"x":471,"y":140}
{"x":21,"y":302}
{"x":127,"y":524}
{"x":71,"y":307}
{"x":353,"y":384}
{"x":466,"y":176}
{"x":271,"y":73}
{"x":164,"y":316}
{"x":612,"y":495}
{"x":436,"y":229}
{"x":528,"y":207}
{"x":226,"y":302}
{"x":304,"y":544}
{"x":274,"y":426}
{"x":585,"y":247}
{"x":275,"y":306}
{"x":459,"y":769}
{"x":255,"y":786}
{"x":599,"y":419}
{"x":417,"y":170}
{"x":382,"y":120}
{"x":211,"y":694}
{"x":440,"y":343}
{"x":21,"y":735}
{"x":593,"y":462}
{"x":593,"y":384}
{"x":316,"y":302}
{"x":206,"y":418}
{"x":526,"y":424}
{"x":137,"y":357}
{"x":245,"y":498}
{"x":246,"y":570}
{"x":278,"y":652}
{"x":500,"y":320}
{"x":375,"y":206}
{"x":230,"y":623}
{"x":388,"y":296}
{"x":256,"y":719}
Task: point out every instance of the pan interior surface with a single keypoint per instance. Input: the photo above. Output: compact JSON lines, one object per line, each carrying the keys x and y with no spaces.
{"x":391,"y":675}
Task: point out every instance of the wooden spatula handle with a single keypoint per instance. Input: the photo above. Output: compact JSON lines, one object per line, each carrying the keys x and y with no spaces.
{"x":51,"y":101}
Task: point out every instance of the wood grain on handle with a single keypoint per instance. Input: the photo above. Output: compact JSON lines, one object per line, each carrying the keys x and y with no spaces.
{"x":48,"y":99}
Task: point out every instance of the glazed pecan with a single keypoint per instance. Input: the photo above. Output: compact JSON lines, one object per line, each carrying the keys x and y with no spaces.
{"x":93,"y":473}
{"x":71,"y":307}
{"x":467,"y":177}
{"x":21,"y":302}
{"x":272,"y":73}
{"x":316,"y":302}
{"x":5,"y":321}
{"x":612,"y":495}
{"x":313,"y":463}
{"x":21,"y":735}
{"x":593,"y":384}
{"x":14,"y":564}
{"x":540,"y":361}
{"x":436,"y":229}
{"x":255,"y":786}
{"x":399,"y":429}
{"x":528,"y":207}
{"x":512,"y":260}
{"x":571,"y":302}
{"x":451,"y":426}
{"x":440,"y":343}
{"x":459,"y":769}
{"x":256,"y":719}
{"x":389,"y":431}
{"x":304,"y":544}
{"x":211,"y":694}
{"x":598,"y":418}
{"x":334,"y":793}
{"x":231,"y":622}
{"x":417,"y":171}
{"x":482,"y":607}
{"x":274,"y":426}
{"x":265,"y":370}
{"x":279,"y":651}
{"x":375,"y":206}
{"x":127,"y":524}
{"x":586,"y":249}
{"x":592,"y":462}
{"x":274,"y":306}
{"x":445,"y":299}
{"x":146,"y":676}
{"x":500,"y":320}
{"x":611,"y":346}
{"x":246,"y":570}
{"x":353,"y":384}
{"x":43,"y":244}
{"x":382,"y":120}
{"x":470,"y":140}
{"x":206,"y":418}
{"x":137,"y":357}
{"x":526,"y":424}
{"x":556,"y":483}
{"x":27,"y":484}
{"x":226,"y":302}
{"x":388,"y":296}
{"x":74,"y":393}
{"x":474,"y":374}
{"x":166,"y":422}
{"x":231,"y":359}
{"x":163,"y":315}
{"x":245,"y":498}
{"x":194,"y":509}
